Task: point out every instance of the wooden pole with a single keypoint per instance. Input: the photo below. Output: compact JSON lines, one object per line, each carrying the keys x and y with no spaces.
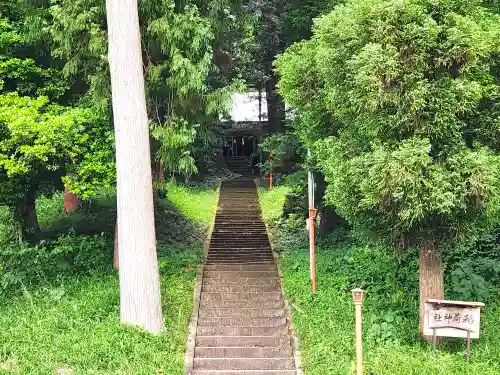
{"x":312,"y":216}
{"x":357,"y":295}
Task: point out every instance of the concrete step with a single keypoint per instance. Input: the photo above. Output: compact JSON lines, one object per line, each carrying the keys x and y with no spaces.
{"x":239,"y":261}
{"x":243,"y":322}
{"x":239,"y":288}
{"x":245,"y":372}
{"x":271,"y":304}
{"x":236,"y":274}
{"x":242,"y":341}
{"x":243,"y":256}
{"x":241,"y":267}
{"x":243,"y":352}
{"x":241,"y":331}
{"x":244,"y":363}
{"x":229,"y":250}
{"x":240,"y":254}
{"x":240,"y":240}
{"x":235,"y":248}
{"x":274,"y":281}
{"x":251,"y":297}
{"x":241,"y":313}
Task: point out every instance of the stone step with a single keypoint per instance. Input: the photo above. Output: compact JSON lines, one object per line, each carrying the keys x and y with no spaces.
{"x":239,"y":261}
{"x":254,"y":281}
{"x":243,"y":296}
{"x":242,"y":341}
{"x":239,"y":288}
{"x":230,"y":254}
{"x":234,"y":274}
{"x":221,"y":259}
{"x":241,"y":267}
{"x":238,"y":229}
{"x":240,"y":247}
{"x":238,"y":243}
{"x":245,"y":372}
{"x":241,"y":240}
{"x":270,"y":304}
{"x":241,"y":313}
{"x":221,"y":255}
{"x":243,"y":352}
{"x":235,"y":251}
{"x":243,"y":250}
{"x":244,"y":363}
{"x":241,"y":331}
{"x":243,"y":322}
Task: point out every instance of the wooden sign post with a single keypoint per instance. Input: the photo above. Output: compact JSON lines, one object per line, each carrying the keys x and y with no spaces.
{"x":452,"y":319}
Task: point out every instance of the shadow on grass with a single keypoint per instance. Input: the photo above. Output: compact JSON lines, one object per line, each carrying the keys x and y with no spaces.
{"x":98,"y":217}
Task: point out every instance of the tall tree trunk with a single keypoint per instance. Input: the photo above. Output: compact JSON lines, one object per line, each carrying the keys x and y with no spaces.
{"x":116,"y":253}
{"x":329,"y":219}
{"x":27,"y":218}
{"x":140,"y":300}
{"x":71,"y":201}
{"x":275,"y":106}
{"x":31,"y":224}
{"x":431,"y":278}
{"x":158,"y":178}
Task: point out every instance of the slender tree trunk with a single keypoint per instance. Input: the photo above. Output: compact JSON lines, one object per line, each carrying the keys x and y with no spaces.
{"x":116,"y":254}
{"x":329,"y":219}
{"x":431,"y":278}
{"x":158,"y":178}
{"x":31,"y":224}
{"x":275,"y":106}
{"x":27,"y":217}
{"x":140,"y":300}
{"x":71,"y":201}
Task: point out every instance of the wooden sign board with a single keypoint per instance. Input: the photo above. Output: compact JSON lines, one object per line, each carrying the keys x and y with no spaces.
{"x":452,"y":318}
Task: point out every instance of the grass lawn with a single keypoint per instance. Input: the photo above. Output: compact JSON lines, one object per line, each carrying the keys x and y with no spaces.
{"x":325,"y":321}
{"x":70,"y":324}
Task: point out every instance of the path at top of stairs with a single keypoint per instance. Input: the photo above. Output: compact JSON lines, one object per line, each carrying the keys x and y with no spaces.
{"x":242,"y":326}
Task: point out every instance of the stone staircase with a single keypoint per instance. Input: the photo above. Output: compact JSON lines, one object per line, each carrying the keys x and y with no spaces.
{"x":242,"y":326}
{"x":239,"y":164}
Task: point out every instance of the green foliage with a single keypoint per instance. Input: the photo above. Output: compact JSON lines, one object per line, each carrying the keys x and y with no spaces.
{"x":41,"y":142}
{"x":63,"y":315}
{"x":195,"y":203}
{"x":272,"y":202}
{"x":399,"y":87}
{"x":475,"y":268}
{"x":68,"y":256}
{"x":325,"y":321}
{"x":285,"y":149}
{"x":184,"y":96}
{"x":26,"y":64}
{"x":75,"y":326}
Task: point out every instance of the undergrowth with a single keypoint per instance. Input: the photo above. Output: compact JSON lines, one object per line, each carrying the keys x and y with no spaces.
{"x":325,"y":321}
{"x":59,"y":311}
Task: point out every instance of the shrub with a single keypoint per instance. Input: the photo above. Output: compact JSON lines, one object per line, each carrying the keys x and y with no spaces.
{"x":68,"y":255}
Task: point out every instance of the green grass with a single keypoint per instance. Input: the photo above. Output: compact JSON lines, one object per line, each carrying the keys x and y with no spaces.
{"x":70,"y":324}
{"x":272,"y":202}
{"x":196,"y":204}
{"x":325,"y":321}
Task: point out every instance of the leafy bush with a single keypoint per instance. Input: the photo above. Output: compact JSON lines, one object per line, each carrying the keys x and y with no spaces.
{"x":68,"y":255}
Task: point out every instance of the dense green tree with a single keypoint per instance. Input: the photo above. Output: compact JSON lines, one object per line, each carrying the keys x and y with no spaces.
{"x":408,"y":94}
{"x":183,"y":101}
{"x":40,"y":143}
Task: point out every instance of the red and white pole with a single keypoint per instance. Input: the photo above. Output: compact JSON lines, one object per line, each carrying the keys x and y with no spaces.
{"x":312,"y":216}
{"x":271,"y":172}
{"x":312,"y":250}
